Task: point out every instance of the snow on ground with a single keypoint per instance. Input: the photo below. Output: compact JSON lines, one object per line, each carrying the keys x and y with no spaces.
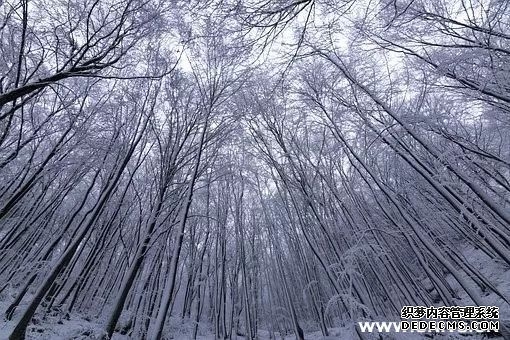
{"x":79,"y":329}
{"x":496,"y":272}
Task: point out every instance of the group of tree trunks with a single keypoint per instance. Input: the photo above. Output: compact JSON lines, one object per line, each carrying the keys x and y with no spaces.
{"x":158,"y":171}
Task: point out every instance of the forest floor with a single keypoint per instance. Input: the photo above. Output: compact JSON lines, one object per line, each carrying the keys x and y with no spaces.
{"x":79,"y":328}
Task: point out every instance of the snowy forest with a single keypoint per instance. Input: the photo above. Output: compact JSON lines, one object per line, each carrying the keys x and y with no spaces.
{"x":251,"y":169}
